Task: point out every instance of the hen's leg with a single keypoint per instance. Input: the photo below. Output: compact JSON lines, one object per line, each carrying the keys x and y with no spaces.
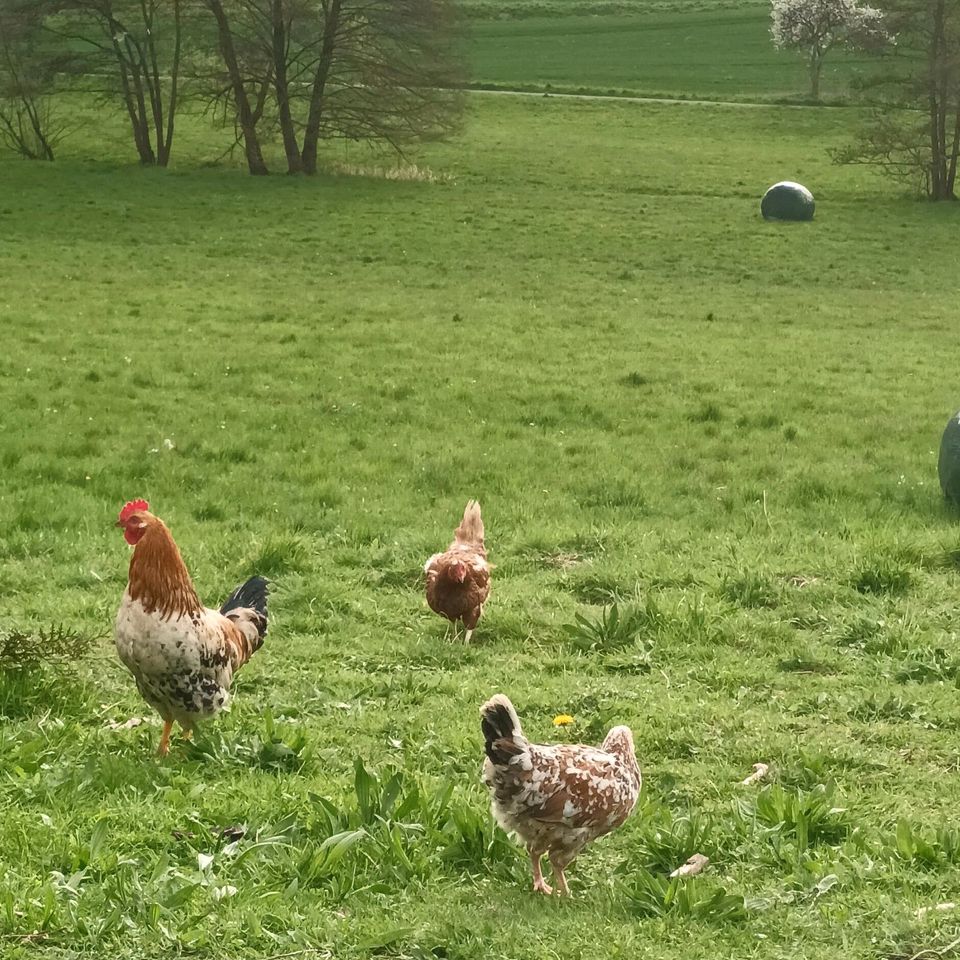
{"x":539,"y":884}
{"x":559,"y":864}
{"x":164,"y":747}
{"x":470,"y":622}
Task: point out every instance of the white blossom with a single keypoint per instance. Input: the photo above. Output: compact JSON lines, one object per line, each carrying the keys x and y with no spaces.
{"x":815,"y":26}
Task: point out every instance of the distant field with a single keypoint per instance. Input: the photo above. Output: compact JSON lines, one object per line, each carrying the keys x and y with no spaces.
{"x":711,"y":53}
{"x":522,"y":9}
{"x":728,"y":427}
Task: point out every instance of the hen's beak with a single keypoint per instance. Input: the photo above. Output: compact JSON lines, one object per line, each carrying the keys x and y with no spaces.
{"x":119,"y":523}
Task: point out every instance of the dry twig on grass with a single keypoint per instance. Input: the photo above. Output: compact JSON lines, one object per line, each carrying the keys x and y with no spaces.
{"x":760,"y":770}
{"x":126,"y":724}
{"x":923,"y":911}
{"x":937,"y":951}
{"x":696,"y":864}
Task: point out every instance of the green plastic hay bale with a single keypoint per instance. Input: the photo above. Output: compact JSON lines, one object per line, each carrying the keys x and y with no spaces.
{"x":788,"y":201}
{"x":948,"y":465}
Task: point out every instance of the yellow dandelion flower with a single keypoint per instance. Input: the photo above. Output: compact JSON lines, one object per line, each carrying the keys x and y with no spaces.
{"x":562,"y":720}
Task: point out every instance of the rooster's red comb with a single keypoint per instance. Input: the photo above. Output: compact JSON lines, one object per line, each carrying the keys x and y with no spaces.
{"x":131,"y":507}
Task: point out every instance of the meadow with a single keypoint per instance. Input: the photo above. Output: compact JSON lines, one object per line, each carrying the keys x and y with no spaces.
{"x":688,"y":49}
{"x":726,"y":428}
{"x":712,"y":54}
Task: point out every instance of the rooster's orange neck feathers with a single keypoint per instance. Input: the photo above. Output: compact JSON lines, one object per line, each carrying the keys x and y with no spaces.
{"x":158,"y":576}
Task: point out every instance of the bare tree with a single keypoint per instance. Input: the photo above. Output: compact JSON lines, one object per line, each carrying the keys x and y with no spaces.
{"x":816,"y":26}
{"x":375,"y":70}
{"x":282,"y":19}
{"x":915,"y":132}
{"x":28,"y":74}
{"x":128,"y":39}
{"x":384,"y":70}
{"x":246,"y":88}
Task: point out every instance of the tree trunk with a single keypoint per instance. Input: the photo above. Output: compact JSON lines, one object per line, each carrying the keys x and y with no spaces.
{"x":134,"y":102}
{"x":331,"y":24}
{"x":954,"y":152}
{"x":149,"y":63}
{"x":290,"y":145}
{"x":935,"y":153}
{"x":245,"y":115}
{"x":938,"y":71}
{"x":816,"y":65}
{"x":33,"y":112}
{"x":141,"y":128}
{"x":147,"y":156}
{"x":139,"y":71}
{"x":174,"y":78}
{"x":150,"y":70}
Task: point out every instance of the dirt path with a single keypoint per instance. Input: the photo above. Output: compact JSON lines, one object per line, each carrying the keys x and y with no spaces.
{"x":635,"y":99}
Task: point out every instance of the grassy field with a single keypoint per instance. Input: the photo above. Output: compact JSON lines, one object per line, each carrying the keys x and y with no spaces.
{"x":710,"y":53}
{"x":516,"y":10}
{"x":728,"y":427}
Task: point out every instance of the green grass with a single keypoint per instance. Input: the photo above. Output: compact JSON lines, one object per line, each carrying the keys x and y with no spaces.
{"x":712,"y":53}
{"x":516,"y":10}
{"x":724,"y":427}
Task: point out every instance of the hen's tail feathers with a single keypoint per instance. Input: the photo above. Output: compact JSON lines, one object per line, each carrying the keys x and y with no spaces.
{"x":470,"y":530}
{"x":502,"y":736}
{"x":247,"y":608}
{"x":619,"y":741}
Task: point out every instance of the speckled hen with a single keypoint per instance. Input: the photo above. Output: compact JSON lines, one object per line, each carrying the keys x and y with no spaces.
{"x":556,"y":799}
{"x":458,"y":580}
{"x":182,"y":654}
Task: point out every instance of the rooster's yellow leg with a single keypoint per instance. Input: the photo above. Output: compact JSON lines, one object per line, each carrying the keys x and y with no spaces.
{"x":164,"y":747}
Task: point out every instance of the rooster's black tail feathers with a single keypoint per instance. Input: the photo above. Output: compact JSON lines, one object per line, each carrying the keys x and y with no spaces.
{"x":252,"y":594}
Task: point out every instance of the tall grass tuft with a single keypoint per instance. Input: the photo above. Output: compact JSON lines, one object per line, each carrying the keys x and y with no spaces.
{"x":648,"y":895}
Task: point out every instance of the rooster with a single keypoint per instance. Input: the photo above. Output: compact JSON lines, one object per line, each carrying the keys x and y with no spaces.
{"x":181,"y":654}
{"x":458,"y":581}
{"x":556,"y":799}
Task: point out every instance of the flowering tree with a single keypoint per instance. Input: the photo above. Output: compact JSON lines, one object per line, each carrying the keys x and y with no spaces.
{"x":815,"y":26}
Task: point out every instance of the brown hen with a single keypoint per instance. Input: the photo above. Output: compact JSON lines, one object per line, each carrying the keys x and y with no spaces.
{"x":458,"y":580}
